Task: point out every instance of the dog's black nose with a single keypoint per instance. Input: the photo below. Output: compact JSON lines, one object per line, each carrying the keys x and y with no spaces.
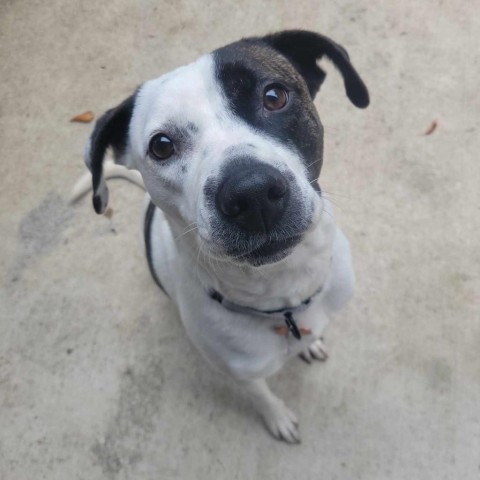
{"x":254,"y":196}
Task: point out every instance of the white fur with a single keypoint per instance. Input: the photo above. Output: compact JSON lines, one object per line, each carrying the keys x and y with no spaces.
{"x":188,"y":263}
{"x":239,"y":344}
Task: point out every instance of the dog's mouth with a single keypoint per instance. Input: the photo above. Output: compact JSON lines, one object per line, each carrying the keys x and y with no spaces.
{"x":269,"y":252}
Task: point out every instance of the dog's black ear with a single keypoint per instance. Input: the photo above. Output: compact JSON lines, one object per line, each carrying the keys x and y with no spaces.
{"x":111,"y":130}
{"x":303,"y":49}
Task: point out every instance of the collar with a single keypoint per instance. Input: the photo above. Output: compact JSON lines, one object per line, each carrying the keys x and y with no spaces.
{"x":286,"y":314}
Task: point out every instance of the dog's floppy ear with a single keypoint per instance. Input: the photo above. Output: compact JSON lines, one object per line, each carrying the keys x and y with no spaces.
{"x":111,"y":130}
{"x":303,"y":49}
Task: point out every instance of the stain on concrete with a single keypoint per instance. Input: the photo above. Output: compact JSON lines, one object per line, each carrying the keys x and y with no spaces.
{"x":439,"y":375}
{"x":40,"y":230}
{"x":108,"y":458}
{"x":138,"y":405}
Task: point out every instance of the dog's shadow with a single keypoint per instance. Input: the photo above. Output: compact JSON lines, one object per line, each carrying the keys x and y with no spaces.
{"x":168,"y":386}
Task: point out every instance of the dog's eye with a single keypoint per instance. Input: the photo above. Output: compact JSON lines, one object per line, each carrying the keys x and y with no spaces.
{"x":275,"y":97}
{"x":161,"y":147}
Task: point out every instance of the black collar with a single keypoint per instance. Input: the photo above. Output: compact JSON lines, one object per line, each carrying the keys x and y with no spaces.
{"x":285,"y":313}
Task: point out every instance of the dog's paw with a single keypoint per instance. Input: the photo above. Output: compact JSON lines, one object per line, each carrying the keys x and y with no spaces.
{"x":315,"y":351}
{"x":281,"y":422}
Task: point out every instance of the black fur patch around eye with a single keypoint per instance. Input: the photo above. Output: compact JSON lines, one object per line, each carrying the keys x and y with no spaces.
{"x":243,"y":70}
{"x":240,"y":85}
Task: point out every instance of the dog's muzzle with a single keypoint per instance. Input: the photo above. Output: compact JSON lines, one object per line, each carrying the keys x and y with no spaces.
{"x":258,"y":212}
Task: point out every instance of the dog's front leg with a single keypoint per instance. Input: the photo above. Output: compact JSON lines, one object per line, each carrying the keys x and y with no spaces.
{"x":279,"y":419}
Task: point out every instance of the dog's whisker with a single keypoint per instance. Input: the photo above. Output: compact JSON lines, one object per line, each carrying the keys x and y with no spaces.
{"x":312,"y":163}
{"x":329,"y":129}
{"x":186,"y":232}
{"x":331,"y":200}
{"x":190,"y":225}
{"x":336,"y":194}
{"x":197,"y":262}
{"x":324,"y":210}
{"x":211,"y":262}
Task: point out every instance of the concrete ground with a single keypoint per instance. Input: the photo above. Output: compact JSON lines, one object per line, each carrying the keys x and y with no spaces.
{"x":97,"y":380}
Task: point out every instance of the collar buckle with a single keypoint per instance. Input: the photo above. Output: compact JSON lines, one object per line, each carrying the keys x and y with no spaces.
{"x":292,"y":325}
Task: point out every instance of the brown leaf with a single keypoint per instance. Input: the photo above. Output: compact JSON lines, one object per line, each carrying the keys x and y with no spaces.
{"x":431,"y":128}
{"x":85,"y":117}
{"x":109,"y":212}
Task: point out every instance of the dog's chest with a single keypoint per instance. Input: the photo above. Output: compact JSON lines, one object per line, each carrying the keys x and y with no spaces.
{"x":250,"y":345}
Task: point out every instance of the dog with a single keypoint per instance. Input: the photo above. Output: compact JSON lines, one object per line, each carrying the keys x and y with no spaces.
{"x":237,"y":231}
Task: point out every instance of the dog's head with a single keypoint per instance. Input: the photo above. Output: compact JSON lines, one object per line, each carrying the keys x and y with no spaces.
{"x":231,"y":144}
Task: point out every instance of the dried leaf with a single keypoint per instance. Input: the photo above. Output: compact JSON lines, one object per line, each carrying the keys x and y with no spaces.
{"x":431,"y":128}
{"x":108,"y":212}
{"x":85,"y":117}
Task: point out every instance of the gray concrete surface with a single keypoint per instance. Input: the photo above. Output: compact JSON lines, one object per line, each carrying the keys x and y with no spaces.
{"x":97,"y":380}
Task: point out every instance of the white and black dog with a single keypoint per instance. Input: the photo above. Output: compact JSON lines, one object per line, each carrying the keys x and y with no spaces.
{"x":237,"y":231}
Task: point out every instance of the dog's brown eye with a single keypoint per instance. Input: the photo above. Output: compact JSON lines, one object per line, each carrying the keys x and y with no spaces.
{"x":275,"y":97}
{"x":161,"y":147}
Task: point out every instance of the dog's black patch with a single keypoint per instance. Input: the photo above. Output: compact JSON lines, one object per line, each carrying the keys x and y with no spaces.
{"x":147,"y":233}
{"x":244,"y":69}
{"x":289,"y":58}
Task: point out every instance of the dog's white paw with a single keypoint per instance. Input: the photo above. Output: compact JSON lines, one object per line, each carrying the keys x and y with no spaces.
{"x":315,"y":351}
{"x":281,"y":422}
